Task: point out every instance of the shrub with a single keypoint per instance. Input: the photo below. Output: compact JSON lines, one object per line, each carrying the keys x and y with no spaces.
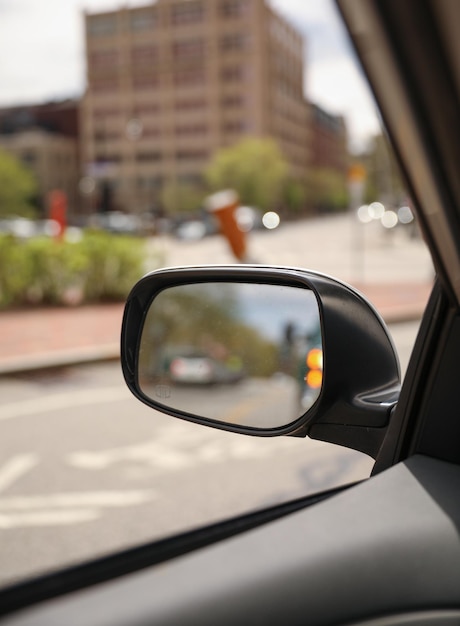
{"x":98,"y":267}
{"x":114,"y":265}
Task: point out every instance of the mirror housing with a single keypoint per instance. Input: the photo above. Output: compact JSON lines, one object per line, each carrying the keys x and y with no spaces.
{"x":361,"y":375}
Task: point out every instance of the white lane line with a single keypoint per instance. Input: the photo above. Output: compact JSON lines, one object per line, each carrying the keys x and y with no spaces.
{"x":164,"y":456}
{"x":170,"y":452}
{"x":47,"y":518}
{"x":65,"y":508}
{"x":61,"y":401}
{"x":77,"y":499}
{"x":16,"y":467}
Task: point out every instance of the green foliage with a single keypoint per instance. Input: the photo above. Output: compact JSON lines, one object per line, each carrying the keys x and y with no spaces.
{"x":294,"y":196}
{"x":255,"y":168}
{"x":179,"y":197}
{"x":384,"y":179}
{"x":198,"y":318}
{"x":17,"y":187}
{"x":16,"y":271}
{"x":114,"y":265}
{"x":327,"y":190}
{"x":99,"y":267}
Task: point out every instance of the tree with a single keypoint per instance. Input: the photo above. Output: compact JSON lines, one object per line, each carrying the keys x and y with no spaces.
{"x":254,"y":168}
{"x":327,"y":190}
{"x":294,"y":196}
{"x":384,"y":179}
{"x":181,"y":198}
{"x":17,"y":187}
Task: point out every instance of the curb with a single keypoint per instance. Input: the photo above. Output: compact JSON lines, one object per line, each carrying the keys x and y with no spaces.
{"x":53,"y":360}
{"x":111,"y":352}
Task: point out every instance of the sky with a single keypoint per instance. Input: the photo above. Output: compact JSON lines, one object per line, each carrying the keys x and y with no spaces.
{"x":42,"y":56}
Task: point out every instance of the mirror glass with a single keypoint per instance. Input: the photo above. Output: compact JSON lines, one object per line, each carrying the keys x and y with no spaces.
{"x":240,"y":353}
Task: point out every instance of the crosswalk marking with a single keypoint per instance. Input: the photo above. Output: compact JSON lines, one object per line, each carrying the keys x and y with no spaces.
{"x":16,"y":467}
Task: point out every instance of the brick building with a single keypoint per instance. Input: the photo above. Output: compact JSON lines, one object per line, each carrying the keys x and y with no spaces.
{"x":171,"y":82}
{"x":45,"y":138}
{"x":328,"y":141}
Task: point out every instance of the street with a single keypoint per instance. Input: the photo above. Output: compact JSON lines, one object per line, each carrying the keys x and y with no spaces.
{"x":86,"y":469}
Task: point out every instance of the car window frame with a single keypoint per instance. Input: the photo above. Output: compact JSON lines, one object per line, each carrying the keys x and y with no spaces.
{"x":439,"y":323}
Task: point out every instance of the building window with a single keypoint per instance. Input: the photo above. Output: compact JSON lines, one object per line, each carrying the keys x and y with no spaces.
{"x":141,"y":82}
{"x":190,"y":105}
{"x":150,"y":132}
{"x":234,"y":41}
{"x":103,"y":58}
{"x":145,"y":108}
{"x":108,"y":158}
{"x":191,"y":155}
{"x":148,"y":157}
{"x":189,"y":78}
{"x":187,"y":12}
{"x":235,"y":126}
{"x":233,"y":101}
{"x":104,"y":84}
{"x":191,"y":129}
{"x":105,"y":112}
{"x":188,"y":48}
{"x":234,"y":8}
{"x":100,"y":25}
{"x":233,"y":73}
{"x":143,"y":19}
{"x":144,"y":54}
{"x":153,"y":183}
{"x":104,"y":135}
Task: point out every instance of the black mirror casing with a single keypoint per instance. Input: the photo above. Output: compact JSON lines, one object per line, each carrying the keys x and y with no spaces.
{"x":361,"y":375}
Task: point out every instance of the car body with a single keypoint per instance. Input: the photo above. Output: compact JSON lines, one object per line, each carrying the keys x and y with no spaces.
{"x":187,"y":366}
{"x":386,"y":551}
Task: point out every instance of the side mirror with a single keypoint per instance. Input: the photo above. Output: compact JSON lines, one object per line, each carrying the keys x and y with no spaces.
{"x":263,"y":351}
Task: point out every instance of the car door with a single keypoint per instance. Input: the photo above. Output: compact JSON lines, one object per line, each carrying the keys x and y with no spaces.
{"x":385,"y":551}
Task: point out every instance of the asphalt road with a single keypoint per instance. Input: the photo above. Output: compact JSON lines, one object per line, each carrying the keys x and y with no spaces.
{"x":86,"y":469}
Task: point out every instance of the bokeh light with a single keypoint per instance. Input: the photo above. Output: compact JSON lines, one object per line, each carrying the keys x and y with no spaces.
{"x":271,"y":220}
{"x":405,"y":215}
{"x":376,"y":210}
{"x":363,"y":214}
{"x":389,"y":219}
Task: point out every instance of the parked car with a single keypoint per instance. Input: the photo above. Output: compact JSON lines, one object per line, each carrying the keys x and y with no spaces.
{"x":118,"y":223}
{"x":384,"y":551}
{"x":188,"y":366}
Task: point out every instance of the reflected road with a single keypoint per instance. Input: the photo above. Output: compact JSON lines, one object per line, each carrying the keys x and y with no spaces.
{"x":255,"y":402}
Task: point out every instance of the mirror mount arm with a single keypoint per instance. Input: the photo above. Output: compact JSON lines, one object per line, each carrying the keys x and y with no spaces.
{"x":362,"y":435}
{"x":360,"y":438}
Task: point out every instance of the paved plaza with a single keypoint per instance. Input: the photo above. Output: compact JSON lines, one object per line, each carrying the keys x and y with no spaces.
{"x":392,"y":269}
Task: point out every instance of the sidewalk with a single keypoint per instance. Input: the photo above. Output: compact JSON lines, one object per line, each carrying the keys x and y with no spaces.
{"x":51,"y":337}
{"x":394,"y":272}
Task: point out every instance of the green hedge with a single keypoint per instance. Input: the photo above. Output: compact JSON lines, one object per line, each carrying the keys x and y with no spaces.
{"x":98,"y":267}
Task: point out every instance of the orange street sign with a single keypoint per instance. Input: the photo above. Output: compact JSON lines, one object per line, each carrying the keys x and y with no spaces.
{"x":356,"y":173}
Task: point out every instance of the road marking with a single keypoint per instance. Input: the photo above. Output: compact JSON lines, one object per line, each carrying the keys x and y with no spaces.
{"x":60,"y":509}
{"x":153,"y":453}
{"x":16,"y":467}
{"x":76,"y":499}
{"x":47,"y":518}
{"x":174,"y":449}
{"x":58,"y":402}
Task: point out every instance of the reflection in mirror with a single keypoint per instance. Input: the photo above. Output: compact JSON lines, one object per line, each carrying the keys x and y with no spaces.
{"x":241,"y":353}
